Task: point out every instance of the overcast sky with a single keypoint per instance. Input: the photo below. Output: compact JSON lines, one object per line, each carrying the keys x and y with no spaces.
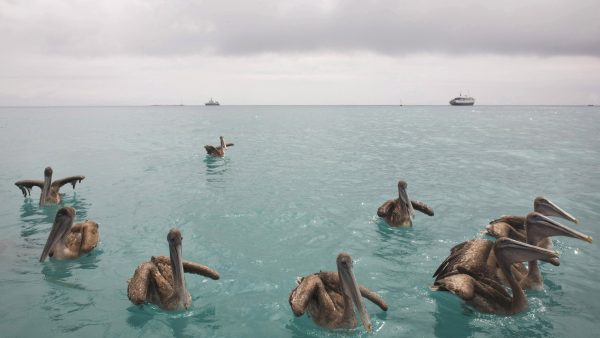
{"x":62,"y":52}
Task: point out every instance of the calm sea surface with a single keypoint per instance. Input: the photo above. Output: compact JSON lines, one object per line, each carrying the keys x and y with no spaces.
{"x":301,"y":184}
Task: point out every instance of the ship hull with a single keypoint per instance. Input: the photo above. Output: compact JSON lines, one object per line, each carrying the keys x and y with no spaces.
{"x":454,"y":103}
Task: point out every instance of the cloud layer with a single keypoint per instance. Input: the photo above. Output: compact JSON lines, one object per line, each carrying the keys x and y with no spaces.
{"x":390,"y":27}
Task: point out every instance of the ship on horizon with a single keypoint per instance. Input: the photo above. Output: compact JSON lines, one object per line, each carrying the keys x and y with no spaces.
{"x":212,"y":102}
{"x":462,"y":101}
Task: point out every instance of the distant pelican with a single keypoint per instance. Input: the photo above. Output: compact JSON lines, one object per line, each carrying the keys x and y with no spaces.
{"x":217,"y":151}
{"x":514,"y":226}
{"x":400,"y":212}
{"x":487,"y":295}
{"x":329,"y":297}
{"x":67,"y":240}
{"x":50,"y":189}
{"x":477,"y":257}
{"x":161,"y":281}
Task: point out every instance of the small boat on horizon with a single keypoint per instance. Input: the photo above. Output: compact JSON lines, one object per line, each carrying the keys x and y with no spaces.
{"x":212,"y":102}
{"x":462,"y":101}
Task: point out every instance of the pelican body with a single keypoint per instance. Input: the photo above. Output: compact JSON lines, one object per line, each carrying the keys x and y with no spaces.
{"x":217,"y":151}
{"x":50,"y":190}
{"x":487,"y":295}
{"x":161,"y":281}
{"x":514,"y":226}
{"x":330,"y":297}
{"x":400,"y":212}
{"x":67,"y":240}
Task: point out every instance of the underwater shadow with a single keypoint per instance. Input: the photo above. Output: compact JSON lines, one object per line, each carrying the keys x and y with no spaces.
{"x":178,"y":321}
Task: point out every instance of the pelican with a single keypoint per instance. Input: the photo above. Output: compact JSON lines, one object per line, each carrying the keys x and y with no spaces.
{"x":329,"y":297}
{"x":514,"y":226}
{"x":161,"y":281}
{"x":50,"y":189}
{"x":478,"y":257}
{"x":400,"y":212}
{"x":67,"y":240}
{"x":217,"y":151}
{"x":487,"y":295}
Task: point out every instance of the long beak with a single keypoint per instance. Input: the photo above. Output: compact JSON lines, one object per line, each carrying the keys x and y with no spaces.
{"x":177,"y":265}
{"x":403,"y":196}
{"x":539,"y":226}
{"x":350,"y":288}
{"x":62,"y":224}
{"x":45,"y":189}
{"x":548,"y":208}
{"x":513,"y":251}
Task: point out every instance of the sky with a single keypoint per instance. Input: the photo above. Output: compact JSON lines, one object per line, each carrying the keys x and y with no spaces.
{"x":138,"y":52}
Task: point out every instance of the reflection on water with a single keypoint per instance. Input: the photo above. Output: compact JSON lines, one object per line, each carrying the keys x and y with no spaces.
{"x":140,"y":316}
{"x":216,"y":167}
{"x":60,"y":271}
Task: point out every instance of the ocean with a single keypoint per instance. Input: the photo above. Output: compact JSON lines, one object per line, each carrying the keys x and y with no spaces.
{"x":300,"y":185}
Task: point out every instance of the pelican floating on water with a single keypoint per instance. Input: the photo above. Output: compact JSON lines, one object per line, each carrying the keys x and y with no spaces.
{"x":486,"y":294}
{"x":161,"y":281}
{"x":400,"y":212}
{"x":514,"y":226}
{"x":67,"y":240}
{"x":218,"y":151}
{"x":50,"y":189}
{"x":477,"y":256}
{"x":330,"y":297}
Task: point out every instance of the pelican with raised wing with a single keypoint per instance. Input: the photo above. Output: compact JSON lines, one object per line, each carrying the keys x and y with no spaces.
{"x":217,"y":151}
{"x":67,"y":240}
{"x":330,"y":297}
{"x":50,"y":190}
{"x":400,"y":211}
{"x":161,"y":281}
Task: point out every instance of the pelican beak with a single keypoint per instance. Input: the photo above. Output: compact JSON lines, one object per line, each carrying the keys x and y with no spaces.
{"x":174,"y":238}
{"x":350,"y":288}
{"x":546,"y":227}
{"x":45,"y":189}
{"x":403,"y":196}
{"x":548,"y":208}
{"x":514,"y":251}
{"x":62,"y":223}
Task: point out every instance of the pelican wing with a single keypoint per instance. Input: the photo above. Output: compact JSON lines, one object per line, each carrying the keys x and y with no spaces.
{"x":199,"y":269}
{"x":471,"y":255}
{"x":310,"y":287}
{"x":230,"y":144}
{"x":422,"y":207}
{"x":386,"y":208}
{"x":517,"y":222}
{"x":89,"y":236}
{"x":373,"y":297}
{"x":210,"y":149}
{"x":71,"y":179}
{"x":137,"y":286}
{"x":26,"y":185}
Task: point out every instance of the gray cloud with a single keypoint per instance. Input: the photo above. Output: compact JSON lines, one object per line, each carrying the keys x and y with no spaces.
{"x":158,"y":28}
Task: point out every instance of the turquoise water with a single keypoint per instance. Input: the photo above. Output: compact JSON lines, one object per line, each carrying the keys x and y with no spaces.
{"x":301,"y":184}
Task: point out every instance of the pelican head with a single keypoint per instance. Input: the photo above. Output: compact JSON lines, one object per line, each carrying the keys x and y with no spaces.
{"x":46,"y":186}
{"x":174,"y":238}
{"x":510,"y":251}
{"x":62,"y":224}
{"x":546,"y":207}
{"x":539,"y":227}
{"x":223,"y":145}
{"x":350,"y":289}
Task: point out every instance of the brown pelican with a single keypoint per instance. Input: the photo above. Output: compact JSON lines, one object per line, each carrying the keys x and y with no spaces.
{"x":50,"y":189}
{"x":400,"y":212}
{"x":478,"y":257}
{"x":67,"y":240}
{"x":329,"y":297}
{"x":514,"y":226}
{"x":218,"y":151}
{"x":160,"y":281}
{"x":487,"y":295}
